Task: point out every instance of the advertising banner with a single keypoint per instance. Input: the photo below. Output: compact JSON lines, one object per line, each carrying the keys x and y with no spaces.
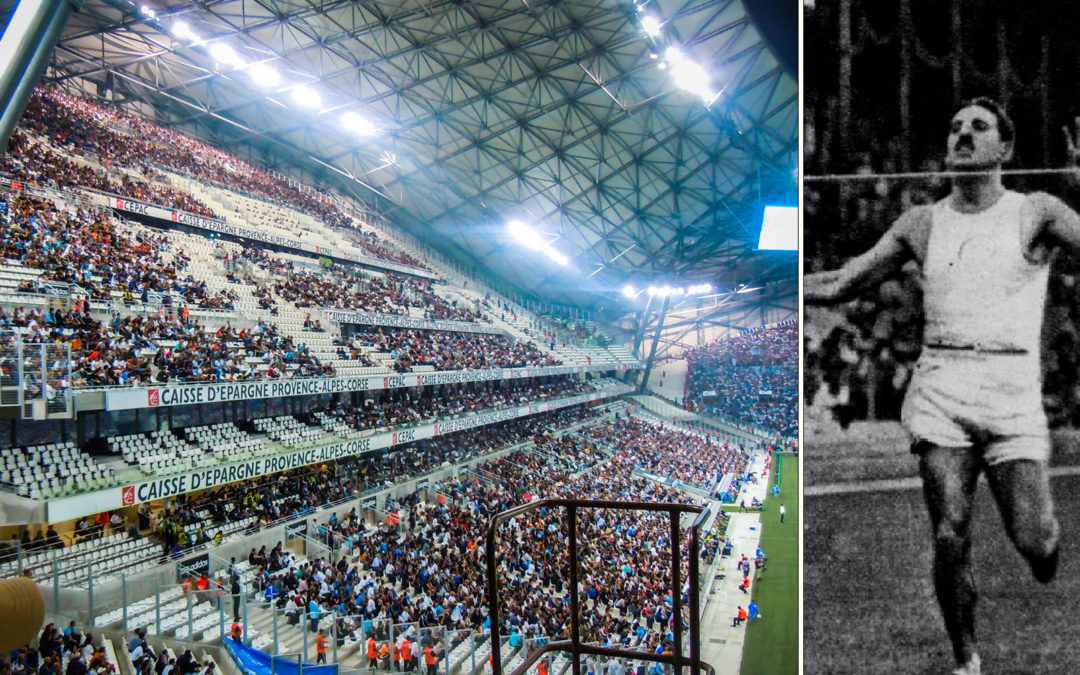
{"x":194,"y":567}
{"x":224,"y":392}
{"x":339,"y":316}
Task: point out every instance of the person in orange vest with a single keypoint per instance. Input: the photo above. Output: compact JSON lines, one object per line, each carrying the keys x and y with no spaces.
{"x":100,"y":522}
{"x":397,"y":656}
{"x":745,"y":587}
{"x":406,"y":654}
{"x":429,"y":660}
{"x":221,"y":592}
{"x":542,"y":667}
{"x":320,"y":648}
{"x":372,"y":653}
{"x":186,"y":585}
{"x":384,"y":656}
{"x":740,"y":617}
{"x":203,"y":582}
{"x":237,"y":633}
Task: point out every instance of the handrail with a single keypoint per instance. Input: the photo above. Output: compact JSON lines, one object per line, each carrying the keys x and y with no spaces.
{"x":574,"y":645}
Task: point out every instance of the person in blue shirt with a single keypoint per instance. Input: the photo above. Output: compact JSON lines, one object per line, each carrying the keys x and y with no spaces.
{"x":515,"y":639}
{"x":752,"y":611}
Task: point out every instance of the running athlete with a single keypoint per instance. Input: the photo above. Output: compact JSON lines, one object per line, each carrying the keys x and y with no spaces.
{"x":974,"y":403}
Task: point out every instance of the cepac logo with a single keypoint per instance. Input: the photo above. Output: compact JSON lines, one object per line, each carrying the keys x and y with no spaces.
{"x":153,"y":397}
{"x":119,"y":203}
{"x":175,"y":217}
{"x":128,"y":495}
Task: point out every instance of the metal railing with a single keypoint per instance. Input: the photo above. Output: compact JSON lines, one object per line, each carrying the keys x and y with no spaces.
{"x":574,"y":645}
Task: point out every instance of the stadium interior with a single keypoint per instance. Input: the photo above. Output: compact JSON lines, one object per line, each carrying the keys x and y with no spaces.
{"x":307,"y":307}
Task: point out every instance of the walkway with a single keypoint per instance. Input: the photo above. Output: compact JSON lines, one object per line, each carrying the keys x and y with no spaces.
{"x":722,"y":644}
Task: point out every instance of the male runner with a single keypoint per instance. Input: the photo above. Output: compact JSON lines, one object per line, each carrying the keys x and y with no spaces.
{"x":975,"y":400}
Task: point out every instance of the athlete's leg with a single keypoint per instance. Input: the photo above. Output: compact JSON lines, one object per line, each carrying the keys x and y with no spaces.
{"x":949,"y":479}
{"x":1022,"y":490}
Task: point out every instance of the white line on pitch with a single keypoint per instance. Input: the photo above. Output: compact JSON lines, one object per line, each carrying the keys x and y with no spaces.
{"x":896,"y":484}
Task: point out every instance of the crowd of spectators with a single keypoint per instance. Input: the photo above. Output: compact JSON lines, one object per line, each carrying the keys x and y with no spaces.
{"x":400,"y":406}
{"x":165,"y":348}
{"x":292,"y":494}
{"x":67,"y":651}
{"x":343,"y":288}
{"x":684,"y":457}
{"x":35,"y":163}
{"x":120,"y":140}
{"x":753,"y":379}
{"x":425,"y":568}
{"x":86,"y":248}
{"x":446,"y":350}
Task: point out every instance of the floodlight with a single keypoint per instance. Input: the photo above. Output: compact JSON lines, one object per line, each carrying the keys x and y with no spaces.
{"x":525,"y":234}
{"x":183,"y":31}
{"x":263,"y":75}
{"x":628,"y":291}
{"x":223,"y":53}
{"x":779,"y":229}
{"x":556,"y":256}
{"x":147,"y":12}
{"x":357,"y":124}
{"x":306,"y":97}
{"x":651,"y":25}
{"x":691,"y":77}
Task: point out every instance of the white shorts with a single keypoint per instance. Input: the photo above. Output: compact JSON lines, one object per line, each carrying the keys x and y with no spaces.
{"x":967,"y":399}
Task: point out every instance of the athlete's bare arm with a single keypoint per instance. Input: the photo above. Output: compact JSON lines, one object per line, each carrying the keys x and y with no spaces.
{"x":897,"y":246}
{"x":1056,"y":220}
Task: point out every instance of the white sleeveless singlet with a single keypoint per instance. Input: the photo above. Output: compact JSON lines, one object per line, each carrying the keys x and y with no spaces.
{"x":980,"y":287}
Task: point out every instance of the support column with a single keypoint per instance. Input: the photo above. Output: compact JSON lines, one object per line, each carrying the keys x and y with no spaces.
{"x":25,"y":48}
{"x":655,"y":344}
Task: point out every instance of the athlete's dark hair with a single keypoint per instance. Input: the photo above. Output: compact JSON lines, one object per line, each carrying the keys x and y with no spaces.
{"x":1005,"y":123}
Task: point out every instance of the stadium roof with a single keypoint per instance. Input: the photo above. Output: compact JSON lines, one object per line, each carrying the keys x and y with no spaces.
{"x":553,"y":112}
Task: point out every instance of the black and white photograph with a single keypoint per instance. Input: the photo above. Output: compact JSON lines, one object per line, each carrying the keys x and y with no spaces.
{"x":941,"y":349}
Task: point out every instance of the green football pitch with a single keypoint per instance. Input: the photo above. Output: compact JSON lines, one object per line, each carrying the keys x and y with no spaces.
{"x":772,"y":642}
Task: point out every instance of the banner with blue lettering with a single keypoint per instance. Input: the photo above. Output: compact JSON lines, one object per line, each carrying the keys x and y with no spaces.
{"x":253,"y":662}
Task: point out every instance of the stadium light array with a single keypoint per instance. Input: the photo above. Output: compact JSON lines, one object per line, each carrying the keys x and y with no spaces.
{"x":263,"y":75}
{"x":528,"y":237}
{"x":689,"y":75}
{"x":651,"y":25}
{"x":147,"y":11}
{"x":182,"y":31}
{"x":559,"y":258}
{"x":357,"y":124}
{"x":629,"y":291}
{"x":225,"y":54}
{"x":673,"y":291}
{"x":525,"y":234}
{"x":306,"y":97}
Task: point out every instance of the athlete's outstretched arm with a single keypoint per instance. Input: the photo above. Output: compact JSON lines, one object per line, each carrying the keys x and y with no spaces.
{"x":871,"y":268}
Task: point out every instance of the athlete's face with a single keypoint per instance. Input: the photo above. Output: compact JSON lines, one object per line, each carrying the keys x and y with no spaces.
{"x":975,"y":140}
